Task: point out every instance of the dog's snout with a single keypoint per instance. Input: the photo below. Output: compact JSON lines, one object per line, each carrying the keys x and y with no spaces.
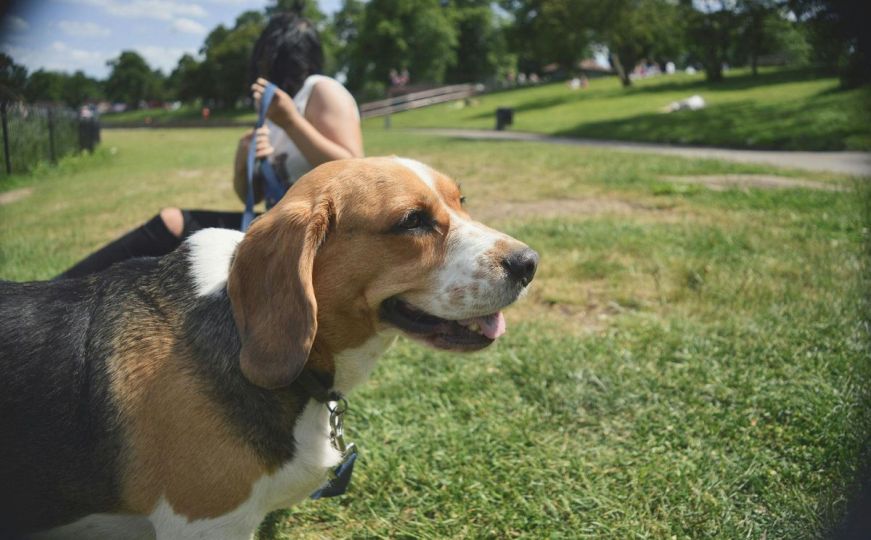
{"x":521,"y":265}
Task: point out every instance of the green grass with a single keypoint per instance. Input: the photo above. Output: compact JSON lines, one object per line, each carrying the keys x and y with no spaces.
{"x":688,"y":364}
{"x":779,"y":109}
{"x":185,"y":113}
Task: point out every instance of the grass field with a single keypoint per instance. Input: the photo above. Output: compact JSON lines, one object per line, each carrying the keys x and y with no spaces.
{"x":791,"y":110}
{"x":690,"y":363}
{"x":185,"y":113}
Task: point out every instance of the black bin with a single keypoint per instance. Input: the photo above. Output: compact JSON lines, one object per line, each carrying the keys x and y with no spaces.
{"x":504,"y":117}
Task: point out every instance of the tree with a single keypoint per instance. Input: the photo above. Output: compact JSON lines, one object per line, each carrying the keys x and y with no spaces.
{"x":186,"y":82}
{"x":131,"y":80}
{"x":79,"y":88}
{"x":345,"y":28}
{"x":840,"y":37}
{"x":764,"y":30}
{"x":306,"y":8}
{"x":711,"y":32}
{"x":13,"y":78}
{"x":45,"y":86}
{"x":637,"y":29}
{"x":223,"y":77}
{"x":481,"y":48}
{"x":553,"y":31}
{"x":414,"y":34}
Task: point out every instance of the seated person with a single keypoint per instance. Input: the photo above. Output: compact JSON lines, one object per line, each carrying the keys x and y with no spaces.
{"x":319,"y":123}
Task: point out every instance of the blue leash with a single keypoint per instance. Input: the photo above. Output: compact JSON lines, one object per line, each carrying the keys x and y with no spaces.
{"x":341,"y":474}
{"x":274,"y":191}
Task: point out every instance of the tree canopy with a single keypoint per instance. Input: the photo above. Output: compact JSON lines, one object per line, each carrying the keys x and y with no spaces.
{"x":453,"y":41}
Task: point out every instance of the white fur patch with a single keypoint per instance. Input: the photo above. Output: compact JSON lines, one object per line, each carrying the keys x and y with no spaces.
{"x":211,"y":251}
{"x":292,"y":483}
{"x":353,"y":366}
{"x":421,"y":171}
{"x":461,"y":291}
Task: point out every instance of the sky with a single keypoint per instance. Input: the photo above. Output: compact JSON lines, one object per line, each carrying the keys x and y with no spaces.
{"x":70,"y":35}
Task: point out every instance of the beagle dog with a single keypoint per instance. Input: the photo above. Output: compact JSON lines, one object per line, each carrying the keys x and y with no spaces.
{"x":164,"y":397}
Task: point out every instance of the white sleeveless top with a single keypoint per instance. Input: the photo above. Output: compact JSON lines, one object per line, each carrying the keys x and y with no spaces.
{"x":288,"y":161}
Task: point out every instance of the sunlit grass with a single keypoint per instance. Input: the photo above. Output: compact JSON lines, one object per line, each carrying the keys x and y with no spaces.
{"x":689,"y":363}
{"x":782,"y":109}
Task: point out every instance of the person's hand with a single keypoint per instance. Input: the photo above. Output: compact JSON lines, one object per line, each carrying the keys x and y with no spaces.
{"x":263,"y":148}
{"x":282,"y":110}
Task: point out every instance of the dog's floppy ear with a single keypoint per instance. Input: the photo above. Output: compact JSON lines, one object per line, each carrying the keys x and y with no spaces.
{"x":270,"y":288}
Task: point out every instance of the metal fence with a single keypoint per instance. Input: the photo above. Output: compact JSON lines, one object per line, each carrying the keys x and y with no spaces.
{"x":36,"y":133}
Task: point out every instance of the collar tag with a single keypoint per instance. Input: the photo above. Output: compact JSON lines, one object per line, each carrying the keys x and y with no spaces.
{"x":340,"y":477}
{"x":337,"y":409}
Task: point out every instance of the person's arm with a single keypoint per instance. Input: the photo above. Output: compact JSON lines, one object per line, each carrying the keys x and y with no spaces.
{"x":330,"y":128}
{"x":240,"y":164}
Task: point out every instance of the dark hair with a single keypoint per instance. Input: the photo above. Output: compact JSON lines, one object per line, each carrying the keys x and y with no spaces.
{"x":287,"y":52}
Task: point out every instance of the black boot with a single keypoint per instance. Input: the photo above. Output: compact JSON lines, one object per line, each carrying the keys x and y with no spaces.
{"x":150,"y":240}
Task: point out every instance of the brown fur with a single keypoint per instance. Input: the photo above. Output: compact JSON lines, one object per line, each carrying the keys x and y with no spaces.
{"x":300,"y":293}
{"x":178,"y":446}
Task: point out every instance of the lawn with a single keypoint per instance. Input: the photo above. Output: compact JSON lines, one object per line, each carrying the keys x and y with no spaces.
{"x":690,"y":363}
{"x":184,"y":114}
{"x":779,"y":109}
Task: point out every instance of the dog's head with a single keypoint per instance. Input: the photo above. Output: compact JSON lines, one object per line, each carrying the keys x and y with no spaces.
{"x":359,"y":247}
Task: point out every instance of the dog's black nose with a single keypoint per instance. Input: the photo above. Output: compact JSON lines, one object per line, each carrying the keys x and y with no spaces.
{"x":521,"y":265}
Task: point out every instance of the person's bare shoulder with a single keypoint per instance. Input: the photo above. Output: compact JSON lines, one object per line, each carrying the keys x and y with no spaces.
{"x":330,"y":97}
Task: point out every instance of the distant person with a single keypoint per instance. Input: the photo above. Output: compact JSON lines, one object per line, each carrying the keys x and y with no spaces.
{"x":395,"y":81}
{"x":320,"y":123}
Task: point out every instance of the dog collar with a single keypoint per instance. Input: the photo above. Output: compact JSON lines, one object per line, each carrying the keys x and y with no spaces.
{"x":337,"y":405}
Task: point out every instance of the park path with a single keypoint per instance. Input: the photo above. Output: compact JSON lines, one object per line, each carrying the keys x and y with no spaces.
{"x":850,"y":163}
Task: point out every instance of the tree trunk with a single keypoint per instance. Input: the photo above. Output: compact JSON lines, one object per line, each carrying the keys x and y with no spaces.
{"x":621,"y":72}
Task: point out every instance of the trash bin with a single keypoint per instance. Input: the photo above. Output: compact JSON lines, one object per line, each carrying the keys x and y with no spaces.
{"x":504,"y":117}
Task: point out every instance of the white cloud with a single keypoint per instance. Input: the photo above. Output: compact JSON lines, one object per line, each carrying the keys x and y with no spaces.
{"x":189,"y":27}
{"x":163,"y":58}
{"x":252,"y":4}
{"x":13,"y":24}
{"x":83,"y":29}
{"x":164,"y":10}
{"x":58,"y":56}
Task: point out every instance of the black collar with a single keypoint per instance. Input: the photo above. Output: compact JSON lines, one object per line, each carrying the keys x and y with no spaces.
{"x":317,"y":385}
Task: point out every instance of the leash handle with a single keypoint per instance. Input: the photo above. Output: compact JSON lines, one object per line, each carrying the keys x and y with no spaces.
{"x":265,"y":101}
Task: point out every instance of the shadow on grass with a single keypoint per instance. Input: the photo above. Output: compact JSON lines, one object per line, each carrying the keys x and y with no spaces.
{"x":742,"y":81}
{"x":535,"y":105}
{"x":797,"y":125}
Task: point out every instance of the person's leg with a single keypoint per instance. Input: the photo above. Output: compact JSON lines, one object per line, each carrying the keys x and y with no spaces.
{"x":195,"y":220}
{"x":159,"y":236}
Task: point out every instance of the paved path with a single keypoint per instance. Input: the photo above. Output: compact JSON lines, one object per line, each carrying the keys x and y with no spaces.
{"x":852,"y":163}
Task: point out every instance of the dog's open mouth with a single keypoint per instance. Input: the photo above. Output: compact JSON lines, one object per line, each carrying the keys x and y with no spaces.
{"x":460,"y":335}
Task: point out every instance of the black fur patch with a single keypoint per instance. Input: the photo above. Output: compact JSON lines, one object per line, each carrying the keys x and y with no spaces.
{"x":61,"y":440}
{"x":62,"y":444}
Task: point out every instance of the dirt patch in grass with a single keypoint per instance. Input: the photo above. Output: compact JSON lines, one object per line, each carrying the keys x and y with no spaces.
{"x":722,"y":182}
{"x":551,"y":208}
{"x":590,"y":310}
{"x":15,"y":195}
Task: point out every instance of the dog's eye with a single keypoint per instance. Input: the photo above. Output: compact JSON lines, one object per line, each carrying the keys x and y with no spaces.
{"x":462,"y":199}
{"x":413,"y":220}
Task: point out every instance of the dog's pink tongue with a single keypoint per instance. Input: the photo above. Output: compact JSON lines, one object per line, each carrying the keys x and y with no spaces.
{"x":492,"y":325}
